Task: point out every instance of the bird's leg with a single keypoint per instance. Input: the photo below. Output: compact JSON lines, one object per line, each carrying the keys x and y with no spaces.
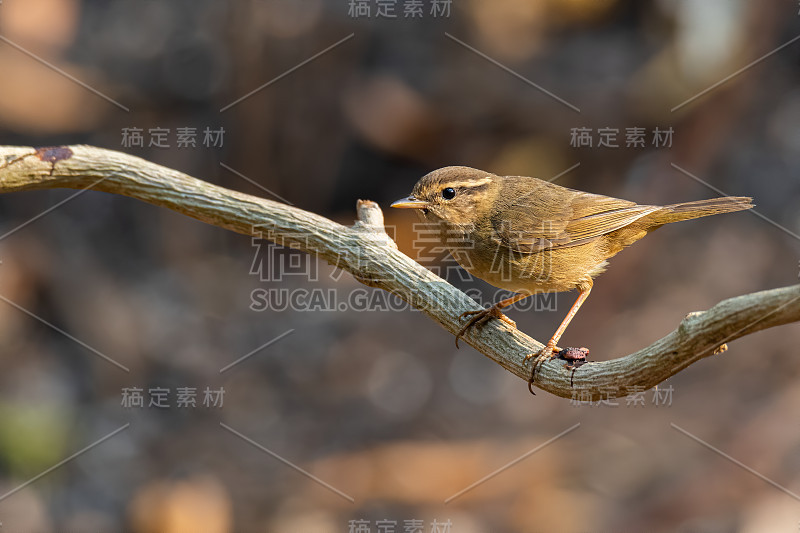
{"x":484,"y":315}
{"x":551,"y":349}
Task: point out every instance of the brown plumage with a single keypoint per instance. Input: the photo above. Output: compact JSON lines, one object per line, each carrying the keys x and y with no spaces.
{"x":531,"y":236}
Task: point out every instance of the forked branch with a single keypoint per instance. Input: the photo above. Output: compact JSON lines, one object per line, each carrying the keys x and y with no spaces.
{"x":366,"y":251}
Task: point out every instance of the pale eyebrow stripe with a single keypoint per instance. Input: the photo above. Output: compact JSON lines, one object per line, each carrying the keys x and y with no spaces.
{"x":477,"y":183}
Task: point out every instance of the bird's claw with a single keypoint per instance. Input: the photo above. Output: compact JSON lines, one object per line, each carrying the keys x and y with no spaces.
{"x":478,"y":318}
{"x":545,"y":354}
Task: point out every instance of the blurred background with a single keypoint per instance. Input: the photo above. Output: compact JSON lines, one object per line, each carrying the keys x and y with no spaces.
{"x":350,"y":411}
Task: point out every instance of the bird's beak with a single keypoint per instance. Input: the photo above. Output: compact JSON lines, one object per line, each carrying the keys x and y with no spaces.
{"x":410,"y":203}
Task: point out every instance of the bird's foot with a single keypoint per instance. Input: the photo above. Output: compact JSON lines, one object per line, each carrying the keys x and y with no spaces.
{"x":545,"y":354}
{"x":478,"y":318}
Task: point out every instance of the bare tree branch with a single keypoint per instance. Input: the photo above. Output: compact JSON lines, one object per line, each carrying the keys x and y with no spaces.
{"x":366,"y":251}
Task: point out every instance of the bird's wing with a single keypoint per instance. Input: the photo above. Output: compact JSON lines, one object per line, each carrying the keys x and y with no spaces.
{"x":544,"y":223}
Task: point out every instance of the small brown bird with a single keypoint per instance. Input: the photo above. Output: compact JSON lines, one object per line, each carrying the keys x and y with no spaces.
{"x":530,"y":236}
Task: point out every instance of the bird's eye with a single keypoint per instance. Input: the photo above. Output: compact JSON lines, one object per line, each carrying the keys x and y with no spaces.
{"x":449,"y":193}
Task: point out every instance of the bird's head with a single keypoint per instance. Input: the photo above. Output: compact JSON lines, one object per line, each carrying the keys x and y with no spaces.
{"x":457,"y":195}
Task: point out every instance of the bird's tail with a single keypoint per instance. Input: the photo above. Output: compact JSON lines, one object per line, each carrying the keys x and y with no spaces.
{"x":703,"y":208}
